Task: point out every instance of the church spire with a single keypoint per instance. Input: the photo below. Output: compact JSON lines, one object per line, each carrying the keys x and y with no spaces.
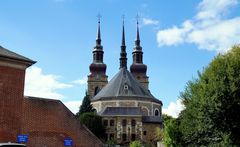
{"x":123,"y":54}
{"x":138,"y":69}
{"x":137,"y":42}
{"x":97,"y":77}
{"x":98,"y":39}
{"x":137,"y":51}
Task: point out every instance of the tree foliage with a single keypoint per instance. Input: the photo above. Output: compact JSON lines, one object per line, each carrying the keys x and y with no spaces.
{"x":212,"y":105}
{"x":86,"y":105}
{"x":135,"y":144}
{"x":94,"y":123}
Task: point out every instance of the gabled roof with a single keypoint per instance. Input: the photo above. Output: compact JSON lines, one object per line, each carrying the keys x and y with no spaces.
{"x":124,"y":85}
{"x":121,"y":111}
{"x":5,"y":53}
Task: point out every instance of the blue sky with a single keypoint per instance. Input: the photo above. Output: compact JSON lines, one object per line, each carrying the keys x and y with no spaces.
{"x":178,"y":38}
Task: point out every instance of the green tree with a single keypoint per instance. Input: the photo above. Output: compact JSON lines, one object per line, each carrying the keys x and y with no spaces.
{"x":86,"y":105}
{"x":172,"y":133}
{"x":135,"y":143}
{"x":212,"y":104}
{"x":94,"y":123}
{"x":158,"y":134}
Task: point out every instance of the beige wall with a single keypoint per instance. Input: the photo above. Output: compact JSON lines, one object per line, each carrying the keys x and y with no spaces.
{"x":145,"y":105}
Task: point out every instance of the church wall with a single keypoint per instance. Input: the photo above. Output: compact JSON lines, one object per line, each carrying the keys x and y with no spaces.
{"x":145,"y":105}
{"x":11,"y":97}
{"x":118,"y":129}
{"x":148,"y":131}
{"x":96,"y":81}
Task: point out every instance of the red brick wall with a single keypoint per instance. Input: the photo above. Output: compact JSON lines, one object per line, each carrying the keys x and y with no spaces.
{"x":11,"y":97}
{"x":48,"y":122}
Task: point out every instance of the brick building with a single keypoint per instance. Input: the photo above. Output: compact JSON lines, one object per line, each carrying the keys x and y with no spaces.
{"x":130,"y":112}
{"x":46,"y":122}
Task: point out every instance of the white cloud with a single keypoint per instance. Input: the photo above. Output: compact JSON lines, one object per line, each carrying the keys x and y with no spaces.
{"x":174,"y":35}
{"x":214,"y":9}
{"x":174,"y":108}
{"x":149,"y":21}
{"x":82,"y":81}
{"x":209,"y":29}
{"x":43,"y":85}
{"x":73,"y":105}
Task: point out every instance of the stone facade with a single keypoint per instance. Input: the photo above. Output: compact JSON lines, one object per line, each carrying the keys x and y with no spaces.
{"x":148,"y":131}
{"x":143,"y":79}
{"x":148,"y":106}
{"x":115,"y":128}
{"x":96,"y":83}
{"x":123,"y":129}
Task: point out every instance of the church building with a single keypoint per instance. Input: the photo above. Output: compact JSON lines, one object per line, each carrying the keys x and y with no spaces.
{"x":129,"y":110}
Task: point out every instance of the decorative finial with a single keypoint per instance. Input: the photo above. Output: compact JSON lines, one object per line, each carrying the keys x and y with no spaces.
{"x":137,"y":18}
{"x":99,"y":17}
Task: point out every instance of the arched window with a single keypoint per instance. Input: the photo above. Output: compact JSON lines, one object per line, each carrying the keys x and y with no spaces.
{"x":124,"y":122}
{"x":97,"y":89}
{"x":145,"y":111}
{"x":156,"y":112}
{"x":133,"y":122}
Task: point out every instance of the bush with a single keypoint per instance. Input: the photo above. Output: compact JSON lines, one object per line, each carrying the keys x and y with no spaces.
{"x":135,"y":144}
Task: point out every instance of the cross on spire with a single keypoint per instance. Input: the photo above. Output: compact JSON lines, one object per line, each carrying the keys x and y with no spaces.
{"x":99,"y":17}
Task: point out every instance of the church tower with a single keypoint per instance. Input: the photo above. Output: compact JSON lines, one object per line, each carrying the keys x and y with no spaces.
{"x":97,"y":78}
{"x":138,"y":69}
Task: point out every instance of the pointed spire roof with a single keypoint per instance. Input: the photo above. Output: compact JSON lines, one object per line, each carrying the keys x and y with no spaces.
{"x":123,"y":54}
{"x":137,"y":41}
{"x":123,"y":35}
{"x":98,"y":39}
{"x":98,"y":66}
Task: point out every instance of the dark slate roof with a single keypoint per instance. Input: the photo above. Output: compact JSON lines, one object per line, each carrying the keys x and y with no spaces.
{"x":124,"y":85}
{"x":116,"y":111}
{"x":5,"y":53}
{"x":152,"y":119}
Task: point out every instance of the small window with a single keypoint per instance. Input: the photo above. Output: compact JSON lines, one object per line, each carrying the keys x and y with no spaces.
{"x":97,"y":89}
{"x":124,"y":137}
{"x":105,"y":122}
{"x":111,"y":137}
{"x":144,"y":132}
{"x":111,"y":122}
{"x":124,"y":122}
{"x":105,"y":137}
{"x":133,"y":123}
{"x":156,"y":112}
{"x":133,"y":137}
{"x":125,"y":87}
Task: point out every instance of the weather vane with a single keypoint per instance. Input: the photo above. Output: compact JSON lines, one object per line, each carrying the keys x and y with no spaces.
{"x":137,"y":17}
